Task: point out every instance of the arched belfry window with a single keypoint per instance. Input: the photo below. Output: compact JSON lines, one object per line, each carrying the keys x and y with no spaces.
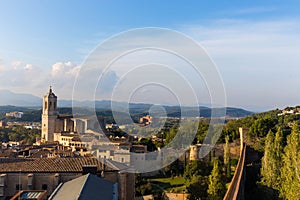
{"x":46,"y":105}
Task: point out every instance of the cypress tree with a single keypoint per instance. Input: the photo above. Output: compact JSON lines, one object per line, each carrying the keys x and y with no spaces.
{"x":227,"y":158}
{"x":278,"y":148}
{"x":290,"y":172}
{"x":268,"y":167}
{"x":226,"y":151}
{"x":216,"y":188}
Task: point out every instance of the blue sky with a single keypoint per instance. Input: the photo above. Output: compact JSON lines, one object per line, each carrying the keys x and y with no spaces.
{"x":254,"y":43}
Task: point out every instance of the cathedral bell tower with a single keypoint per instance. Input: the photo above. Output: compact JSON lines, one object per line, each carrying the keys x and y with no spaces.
{"x":49,"y":116}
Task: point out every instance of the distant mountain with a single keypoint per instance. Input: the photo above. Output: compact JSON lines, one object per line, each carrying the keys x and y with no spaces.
{"x":25,"y":101}
{"x":5,"y":109}
{"x":15,"y":99}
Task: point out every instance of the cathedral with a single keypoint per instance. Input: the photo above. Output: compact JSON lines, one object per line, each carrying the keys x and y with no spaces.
{"x":52,"y":121}
{"x":55,"y":124}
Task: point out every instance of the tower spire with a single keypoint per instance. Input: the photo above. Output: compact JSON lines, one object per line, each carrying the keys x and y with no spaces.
{"x":50,"y":90}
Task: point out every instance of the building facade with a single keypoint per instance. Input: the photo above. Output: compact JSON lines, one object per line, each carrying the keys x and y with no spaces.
{"x":48,"y":173}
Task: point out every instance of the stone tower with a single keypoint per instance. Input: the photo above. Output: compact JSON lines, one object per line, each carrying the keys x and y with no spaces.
{"x":49,"y":116}
{"x":193,"y":152}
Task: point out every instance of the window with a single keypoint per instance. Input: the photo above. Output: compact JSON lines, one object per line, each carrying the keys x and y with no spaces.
{"x":1,"y":191}
{"x":45,"y":105}
{"x":18,"y":186}
{"x":2,"y":180}
{"x":44,"y":187}
{"x":30,"y":180}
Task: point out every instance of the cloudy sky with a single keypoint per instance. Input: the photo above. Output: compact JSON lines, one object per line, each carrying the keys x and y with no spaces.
{"x":254,"y":44}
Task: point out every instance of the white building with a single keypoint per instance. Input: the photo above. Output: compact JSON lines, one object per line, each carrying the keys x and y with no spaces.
{"x":14,"y":114}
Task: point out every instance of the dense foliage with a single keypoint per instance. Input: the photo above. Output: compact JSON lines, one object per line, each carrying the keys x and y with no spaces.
{"x":216,"y":188}
{"x":19,"y":133}
{"x":279,"y":165}
{"x":290,"y":171}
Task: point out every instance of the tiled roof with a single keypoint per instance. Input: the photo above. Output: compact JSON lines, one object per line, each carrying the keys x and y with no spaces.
{"x":40,"y":154}
{"x":44,"y":153}
{"x":9,"y":153}
{"x":48,"y":164}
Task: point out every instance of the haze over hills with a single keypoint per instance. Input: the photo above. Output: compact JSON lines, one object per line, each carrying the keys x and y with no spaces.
{"x":17,"y":99}
{"x":11,"y":101}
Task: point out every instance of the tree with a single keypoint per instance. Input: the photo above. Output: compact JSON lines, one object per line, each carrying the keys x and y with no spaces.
{"x":290,"y":172}
{"x":226,"y":151}
{"x":197,"y":188}
{"x":196,"y":168}
{"x":148,"y":142}
{"x":268,"y":160}
{"x":227,"y":157}
{"x":216,"y":188}
{"x":278,"y":148}
{"x":201,"y":131}
{"x":170,"y":135}
{"x":231,"y":130}
{"x":261,"y":126}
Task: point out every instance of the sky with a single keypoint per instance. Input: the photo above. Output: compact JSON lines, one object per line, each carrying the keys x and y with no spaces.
{"x":254,"y":44}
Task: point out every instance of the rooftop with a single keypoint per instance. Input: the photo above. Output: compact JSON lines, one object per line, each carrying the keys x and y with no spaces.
{"x":85,"y":187}
{"x":54,"y":165}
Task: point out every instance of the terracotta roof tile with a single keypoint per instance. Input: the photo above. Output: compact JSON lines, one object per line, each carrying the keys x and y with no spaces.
{"x":48,"y":164}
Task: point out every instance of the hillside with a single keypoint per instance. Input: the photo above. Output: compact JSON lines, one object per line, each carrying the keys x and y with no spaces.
{"x":136,"y":111}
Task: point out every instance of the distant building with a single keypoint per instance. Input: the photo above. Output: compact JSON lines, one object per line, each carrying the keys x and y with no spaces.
{"x":32,"y":126}
{"x":290,"y":111}
{"x":112,"y":126}
{"x":3,"y":124}
{"x":14,"y":114}
{"x":146,"y":120}
{"x":76,"y":142}
{"x":128,"y":154}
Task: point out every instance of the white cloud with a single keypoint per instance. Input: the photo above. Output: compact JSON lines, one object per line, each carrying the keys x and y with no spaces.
{"x":28,"y":67}
{"x":16,"y":64}
{"x":62,"y":78}
{"x":252,"y":10}
{"x":64,"y":68}
{"x":20,"y":77}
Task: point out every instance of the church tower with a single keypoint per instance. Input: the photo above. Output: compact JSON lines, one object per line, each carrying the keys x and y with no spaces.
{"x":49,"y":116}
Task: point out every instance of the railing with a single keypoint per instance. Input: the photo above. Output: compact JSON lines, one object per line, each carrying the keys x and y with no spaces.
{"x":235,"y":190}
